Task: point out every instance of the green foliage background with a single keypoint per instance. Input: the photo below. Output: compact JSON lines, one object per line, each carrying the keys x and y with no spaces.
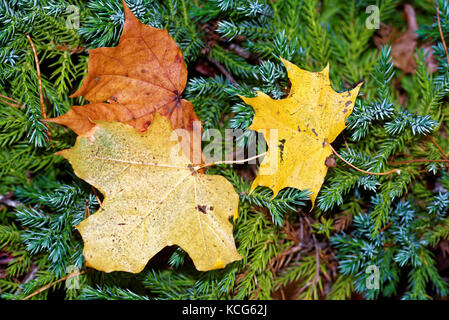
{"x":398,"y":223}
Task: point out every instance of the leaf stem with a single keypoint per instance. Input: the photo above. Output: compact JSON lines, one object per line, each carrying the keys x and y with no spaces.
{"x":363,"y":171}
{"x":231,"y":161}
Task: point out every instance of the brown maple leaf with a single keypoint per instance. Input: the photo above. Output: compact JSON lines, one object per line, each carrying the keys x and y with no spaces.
{"x":404,"y":44}
{"x":143,"y":74}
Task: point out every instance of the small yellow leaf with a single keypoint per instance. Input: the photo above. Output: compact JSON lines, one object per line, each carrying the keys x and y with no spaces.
{"x":153,"y":198}
{"x":303,"y":125}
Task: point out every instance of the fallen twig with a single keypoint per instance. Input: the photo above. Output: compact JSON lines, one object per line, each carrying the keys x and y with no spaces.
{"x":441,"y":32}
{"x":70,"y":275}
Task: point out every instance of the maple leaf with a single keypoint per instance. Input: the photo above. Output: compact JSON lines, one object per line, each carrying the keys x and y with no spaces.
{"x":143,"y":74}
{"x":404,"y":44}
{"x":307,"y":121}
{"x":154,"y":197}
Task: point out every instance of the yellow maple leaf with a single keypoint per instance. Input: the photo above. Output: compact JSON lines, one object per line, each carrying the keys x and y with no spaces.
{"x":303,"y":125}
{"x":154,"y":197}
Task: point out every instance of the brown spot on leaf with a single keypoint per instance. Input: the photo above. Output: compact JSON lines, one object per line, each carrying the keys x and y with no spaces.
{"x":281,"y":149}
{"x":202,"y":209}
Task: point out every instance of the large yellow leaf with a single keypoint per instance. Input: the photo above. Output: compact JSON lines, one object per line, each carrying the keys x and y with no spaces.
{"x":154,"y":197}
{"x":303,"y":125}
